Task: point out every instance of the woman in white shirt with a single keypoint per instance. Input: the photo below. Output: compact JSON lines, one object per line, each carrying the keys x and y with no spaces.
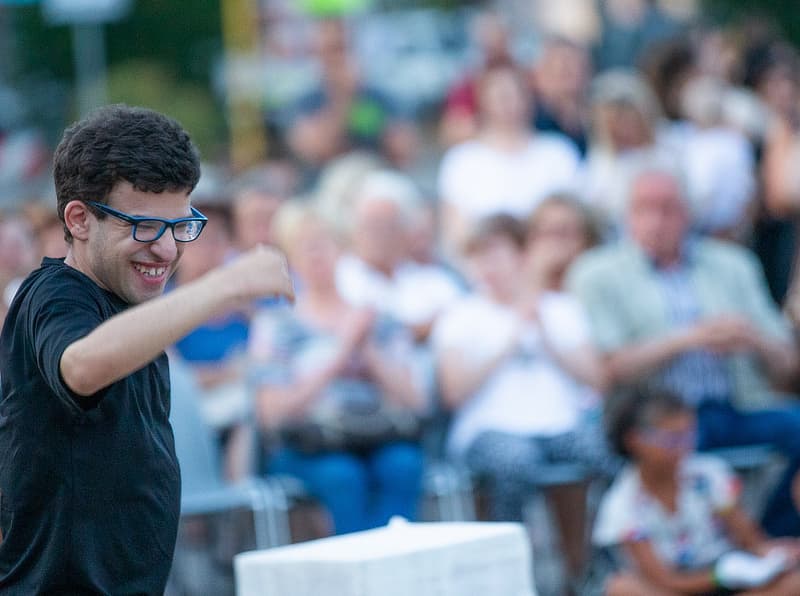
{"x":507,"y":168}
{"x":516,"y":365}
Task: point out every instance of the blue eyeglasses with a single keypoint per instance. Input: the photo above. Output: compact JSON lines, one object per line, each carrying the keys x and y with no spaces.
{"x":150,"y":229}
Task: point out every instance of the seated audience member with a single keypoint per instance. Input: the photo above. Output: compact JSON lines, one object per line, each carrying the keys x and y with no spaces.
{"x":345,"y":113}
{"x":515,"y":362}
{"x":627,"y":131}
{"x":326,"y":362}
{"x":491,"y":37}
{"x":675,"y":514}
{"x":718,"y":161}
{"x":561,"y":87}
{"x":559,"y":231}
{"x":257,"y":196}
{"x":379,"y":271}
{"x":506,"y":168}
{"x":695,"y":312}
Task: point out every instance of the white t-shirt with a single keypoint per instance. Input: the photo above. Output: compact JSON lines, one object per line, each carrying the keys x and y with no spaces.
{"x":480,"y":180}
{"x":528,"y":393}
{"x":720,"y":174}
{"x":415,"y":294}
{"x":689,"y":538}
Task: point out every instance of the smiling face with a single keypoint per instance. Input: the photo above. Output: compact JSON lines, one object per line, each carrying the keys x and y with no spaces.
{"x":104,"y":249}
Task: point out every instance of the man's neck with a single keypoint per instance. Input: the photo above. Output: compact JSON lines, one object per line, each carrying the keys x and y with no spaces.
{"x":75,"y":260}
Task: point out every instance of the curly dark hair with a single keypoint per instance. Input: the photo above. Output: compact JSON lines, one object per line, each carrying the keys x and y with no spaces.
{"x":633,"y":407}
{"x":122,"y":143}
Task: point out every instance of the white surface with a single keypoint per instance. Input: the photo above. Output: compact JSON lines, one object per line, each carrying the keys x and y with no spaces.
{"x":741,"y":570}
{"x":403,"y":559}
{"x":480,"y":181}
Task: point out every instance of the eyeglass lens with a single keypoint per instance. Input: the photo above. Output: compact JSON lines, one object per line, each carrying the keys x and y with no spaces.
{"x":151,"y":229}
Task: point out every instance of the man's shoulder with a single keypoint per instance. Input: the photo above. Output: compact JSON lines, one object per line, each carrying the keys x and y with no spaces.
{"x":56,"y":285}
{"x":720,"y":253}
{"x":54,"y":278}
{"x":604,"y":261}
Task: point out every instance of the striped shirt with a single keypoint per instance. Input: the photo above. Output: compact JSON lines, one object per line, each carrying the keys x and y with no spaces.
{"x":696,"y":375}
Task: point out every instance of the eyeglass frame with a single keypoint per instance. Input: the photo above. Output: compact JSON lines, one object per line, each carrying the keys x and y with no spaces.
{"x":670,"y":440}
{"x":135,"y":220}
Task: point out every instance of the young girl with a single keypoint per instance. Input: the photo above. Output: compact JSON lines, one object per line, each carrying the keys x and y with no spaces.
{"x":675,"y":514}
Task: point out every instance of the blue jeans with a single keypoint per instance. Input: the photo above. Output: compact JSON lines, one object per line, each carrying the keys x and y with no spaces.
{"x":360,"y":491}
{"x":720,"y":425}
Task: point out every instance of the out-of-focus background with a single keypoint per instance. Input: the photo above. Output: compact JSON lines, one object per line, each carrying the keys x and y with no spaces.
{"x":439,"y":167}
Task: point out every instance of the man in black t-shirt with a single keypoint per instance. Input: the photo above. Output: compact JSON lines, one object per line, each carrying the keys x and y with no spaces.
{"x":89,"y":480}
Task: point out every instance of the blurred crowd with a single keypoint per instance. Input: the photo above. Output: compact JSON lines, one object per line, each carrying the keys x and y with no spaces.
{"x":561,"y":226}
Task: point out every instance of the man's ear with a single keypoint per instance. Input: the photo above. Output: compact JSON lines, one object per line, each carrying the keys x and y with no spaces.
{"x":77,"y":219}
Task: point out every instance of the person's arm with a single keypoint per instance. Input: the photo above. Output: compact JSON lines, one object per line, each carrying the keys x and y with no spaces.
{"x":780,"y":358}
{"x":663,"y":576}
{"x":636,"y":360}
{"x":459,"y":380}
{"x":743,"y":530}
{"x":277,"y":403}
{"x":395,"y":380}
{"x":583,"y":364}
{"x":748,"y":535}
{"x":131,"y":339}
{"x":780,"y":192}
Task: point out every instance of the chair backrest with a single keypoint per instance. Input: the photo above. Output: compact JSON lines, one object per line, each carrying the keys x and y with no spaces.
{"x":195,"y":444}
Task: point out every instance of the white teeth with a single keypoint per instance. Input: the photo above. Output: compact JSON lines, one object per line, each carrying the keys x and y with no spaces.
{"x":151,"y":271}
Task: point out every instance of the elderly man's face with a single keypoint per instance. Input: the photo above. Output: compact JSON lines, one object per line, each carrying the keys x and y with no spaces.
{"x":658,"y":218}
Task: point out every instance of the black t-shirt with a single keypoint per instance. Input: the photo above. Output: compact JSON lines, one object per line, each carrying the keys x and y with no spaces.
{"x":90,"y":486}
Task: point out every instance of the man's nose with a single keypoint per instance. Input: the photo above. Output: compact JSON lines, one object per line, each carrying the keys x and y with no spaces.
{"x":165,"y":248}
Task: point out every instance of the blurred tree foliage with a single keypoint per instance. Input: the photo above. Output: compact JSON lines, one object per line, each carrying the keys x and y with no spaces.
{"x":781,"y":15}
{"x":160,"y":56}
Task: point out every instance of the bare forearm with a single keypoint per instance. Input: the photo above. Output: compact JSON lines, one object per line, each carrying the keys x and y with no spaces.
{"x":744,"y":531}
{"x":663,"y":576}
{"x":638,"y":360}
{"x":277,"y":404}
{"x":459,"y":381}
{"x":693,"y":582}
{"x":582,"y":364}
{"x":396,"y":381}
{"x":128,"y":341}
{"x":780,"y":359}
{"x":131,"y":339}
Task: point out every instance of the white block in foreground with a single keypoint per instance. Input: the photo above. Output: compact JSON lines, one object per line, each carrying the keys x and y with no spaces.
{"x":403,"y":559}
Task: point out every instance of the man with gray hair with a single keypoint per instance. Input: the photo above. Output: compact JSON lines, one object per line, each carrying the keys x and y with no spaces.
{"x":695,"y":313}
